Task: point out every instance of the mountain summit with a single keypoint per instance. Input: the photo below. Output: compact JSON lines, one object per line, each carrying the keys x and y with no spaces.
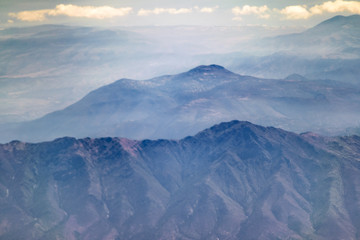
{"x":235,"y":180}
{"x":340,"y":22}
{"x":208,"y":73}
{"x":208,"y":69}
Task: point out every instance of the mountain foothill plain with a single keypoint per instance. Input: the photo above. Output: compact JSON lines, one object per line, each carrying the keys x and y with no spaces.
{"x":131,"y":159}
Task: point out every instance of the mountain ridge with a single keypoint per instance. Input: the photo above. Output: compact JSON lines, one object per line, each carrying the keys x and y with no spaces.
{"x":173,"y":106}
{"x":340,"y":20}
{"x":235,"y":180}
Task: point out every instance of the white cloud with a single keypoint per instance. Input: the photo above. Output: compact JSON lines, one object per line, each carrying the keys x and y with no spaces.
{"x":208,"y":9}
{"x":89,"y":11}
{"x":337,"y":6}
{"x":70,"y":10}
{"x":30,"y":16}
{"x":261,"y":11}
{"x":156,"y":11}
{"x":100,"y":12}
{"x":304,"y":12}
{"x":298,"y":11}
{"x":295,"y":12}
{"x":10,"y":21}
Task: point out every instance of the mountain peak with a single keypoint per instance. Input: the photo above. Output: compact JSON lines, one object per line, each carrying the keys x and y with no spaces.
{"x":339,"y":21}
{"x":232,"y":126}
{"x":213,"y":68}
{"x":341,"y":18}
{"x":213,"y":73}
{"x":234,"y":123}
{"x":210,"y":71}
{"x":295,"y":77}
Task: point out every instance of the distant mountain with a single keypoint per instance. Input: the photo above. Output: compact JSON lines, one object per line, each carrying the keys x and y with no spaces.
{"x":329,"y":50}
{"x":280,"y":65}
{"x":234,"y":180}
{"x":174,"y":106}
{"x":338,"y":29}
{"x":31,"y":51}
{"x":48,"y":67}
{"x":337,"y":37}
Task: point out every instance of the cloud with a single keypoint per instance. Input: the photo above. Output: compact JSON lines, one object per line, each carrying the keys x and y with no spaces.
{"x":70,"y":10}
{"x":31,"y":16}
{"x":304,"y":12}
{"x":207,"y":9}
{"x":100,"y":12}
{"x":295,"y":12}
{"x":337,"y":6}
{"x":262,"y":11}
{"x":156,"y":11}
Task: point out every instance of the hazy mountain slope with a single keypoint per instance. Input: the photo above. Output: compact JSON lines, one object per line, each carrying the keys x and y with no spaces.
{"x":48,"y":67}
{"x":280,"y":65}
{"x":337,"y":37}
{"x":174,"y":106}
{"x":235,"y":180}
{"x":329,"y":50}
{"x":54,"y":65}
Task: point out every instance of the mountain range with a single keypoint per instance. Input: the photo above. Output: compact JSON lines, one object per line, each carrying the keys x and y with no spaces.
{"x":174,"y":106}
{"x":48,"y":67}
{"x":235,"y":180}
{"x":131,"y":160}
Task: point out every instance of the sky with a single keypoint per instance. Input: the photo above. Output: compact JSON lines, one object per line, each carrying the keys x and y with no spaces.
{"x":170,"y":12}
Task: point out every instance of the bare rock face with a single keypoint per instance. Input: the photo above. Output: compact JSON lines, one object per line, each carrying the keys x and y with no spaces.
{"x":234,"y":180}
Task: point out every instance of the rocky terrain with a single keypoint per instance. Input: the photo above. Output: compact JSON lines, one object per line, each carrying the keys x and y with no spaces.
{"x":235,"y":180}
